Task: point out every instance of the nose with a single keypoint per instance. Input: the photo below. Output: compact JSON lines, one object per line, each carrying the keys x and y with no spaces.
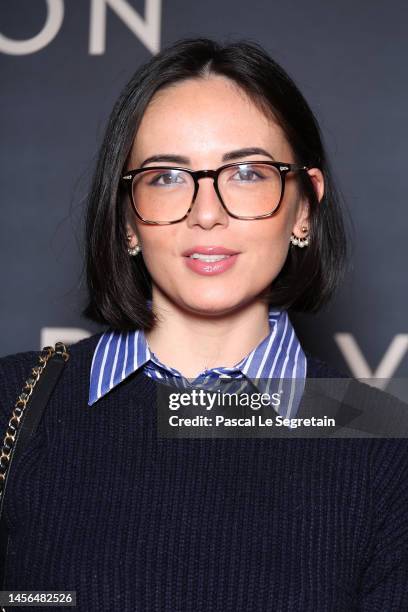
{"x":207,"y":210}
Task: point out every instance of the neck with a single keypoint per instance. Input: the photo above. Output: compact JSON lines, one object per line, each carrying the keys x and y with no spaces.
{"x":191,"y":342}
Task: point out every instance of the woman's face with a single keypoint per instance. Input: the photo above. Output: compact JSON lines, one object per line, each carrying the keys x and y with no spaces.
{"x":202,"y":120}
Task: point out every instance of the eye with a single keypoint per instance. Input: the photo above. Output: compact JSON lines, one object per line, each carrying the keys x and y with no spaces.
{"x":247,"y":174}
{"x":167,"y":178}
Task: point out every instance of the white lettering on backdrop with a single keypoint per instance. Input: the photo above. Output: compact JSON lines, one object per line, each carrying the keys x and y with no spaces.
{"x":53,"y":22}
{"x":359,"y":366}
{"x":146,"y":30}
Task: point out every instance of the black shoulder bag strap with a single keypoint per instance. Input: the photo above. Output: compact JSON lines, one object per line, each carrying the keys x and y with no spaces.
{"x":23,"y":424}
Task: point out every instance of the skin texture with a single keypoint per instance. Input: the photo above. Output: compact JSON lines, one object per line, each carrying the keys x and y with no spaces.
{"x":216,"y":320}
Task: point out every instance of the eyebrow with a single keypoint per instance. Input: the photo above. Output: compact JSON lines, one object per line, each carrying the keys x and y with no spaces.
{"x":230,"y":156}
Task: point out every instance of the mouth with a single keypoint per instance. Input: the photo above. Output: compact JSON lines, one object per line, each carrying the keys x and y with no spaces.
{"x":210,"y":260}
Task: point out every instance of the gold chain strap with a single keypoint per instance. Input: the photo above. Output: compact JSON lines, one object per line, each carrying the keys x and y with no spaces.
{"x":20,"y":405}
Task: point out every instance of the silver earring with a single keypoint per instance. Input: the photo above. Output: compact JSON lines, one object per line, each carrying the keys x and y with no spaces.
{"x":300,"y":242}
{"x":135,"y":250}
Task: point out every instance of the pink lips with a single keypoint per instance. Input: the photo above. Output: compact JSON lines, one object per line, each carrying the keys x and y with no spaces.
{"x":207,"y":268}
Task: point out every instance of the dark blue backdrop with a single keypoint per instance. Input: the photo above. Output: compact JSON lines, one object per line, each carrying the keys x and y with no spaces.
{"x":63,"y":64}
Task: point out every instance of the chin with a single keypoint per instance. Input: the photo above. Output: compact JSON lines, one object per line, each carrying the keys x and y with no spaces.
{"x":212,"y":306}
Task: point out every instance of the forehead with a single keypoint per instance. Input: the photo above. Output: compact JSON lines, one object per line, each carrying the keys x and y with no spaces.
{"x":206,"y":116}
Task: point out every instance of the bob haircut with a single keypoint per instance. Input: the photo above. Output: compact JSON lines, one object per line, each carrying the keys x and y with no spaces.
{"x":119,"y":285}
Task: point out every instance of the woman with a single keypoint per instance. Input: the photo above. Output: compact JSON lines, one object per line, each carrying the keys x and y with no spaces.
{"x":212,"y":214}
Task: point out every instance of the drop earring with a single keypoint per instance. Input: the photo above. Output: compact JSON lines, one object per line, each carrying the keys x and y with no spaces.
{"x":134,"y":250}
{"x":300,"y":242}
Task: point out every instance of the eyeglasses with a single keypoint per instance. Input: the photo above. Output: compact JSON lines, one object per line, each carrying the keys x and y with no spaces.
{"x":162,"y":195}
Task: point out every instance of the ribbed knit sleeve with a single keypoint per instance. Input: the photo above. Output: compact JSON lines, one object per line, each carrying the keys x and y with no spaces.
{"x":385,"y":577}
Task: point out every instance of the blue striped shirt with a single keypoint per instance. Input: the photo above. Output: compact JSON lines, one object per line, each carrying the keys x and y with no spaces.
{"x":278,"y":363}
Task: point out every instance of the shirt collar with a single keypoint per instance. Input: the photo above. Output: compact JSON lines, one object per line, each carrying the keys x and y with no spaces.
{"x":278,"y":356}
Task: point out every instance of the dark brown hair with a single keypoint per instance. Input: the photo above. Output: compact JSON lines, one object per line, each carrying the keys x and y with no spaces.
{"x":119,"y":285}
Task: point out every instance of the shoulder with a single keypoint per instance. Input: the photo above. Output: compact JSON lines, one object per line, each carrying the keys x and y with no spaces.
{"x":317,"y":368}
{"x":19,"y":364}
{"x":372,"y":412}
{"x":84,"y":349}
{"x":15,"y":370}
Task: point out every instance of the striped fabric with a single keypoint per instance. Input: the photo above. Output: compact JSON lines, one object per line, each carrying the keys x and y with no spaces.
{"x":278,"y":363}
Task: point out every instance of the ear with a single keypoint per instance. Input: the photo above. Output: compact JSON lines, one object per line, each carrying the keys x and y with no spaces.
{"x":131,"y":233}
{"x":302,"y":213}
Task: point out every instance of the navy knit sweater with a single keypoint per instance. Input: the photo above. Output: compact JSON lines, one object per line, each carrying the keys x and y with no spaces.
{"x":99,"y":505}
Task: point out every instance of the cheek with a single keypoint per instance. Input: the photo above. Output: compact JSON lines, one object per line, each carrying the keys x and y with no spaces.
{"x":269,"y":248}
{"x":268,"y":261}
{"x":158,"y":246}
